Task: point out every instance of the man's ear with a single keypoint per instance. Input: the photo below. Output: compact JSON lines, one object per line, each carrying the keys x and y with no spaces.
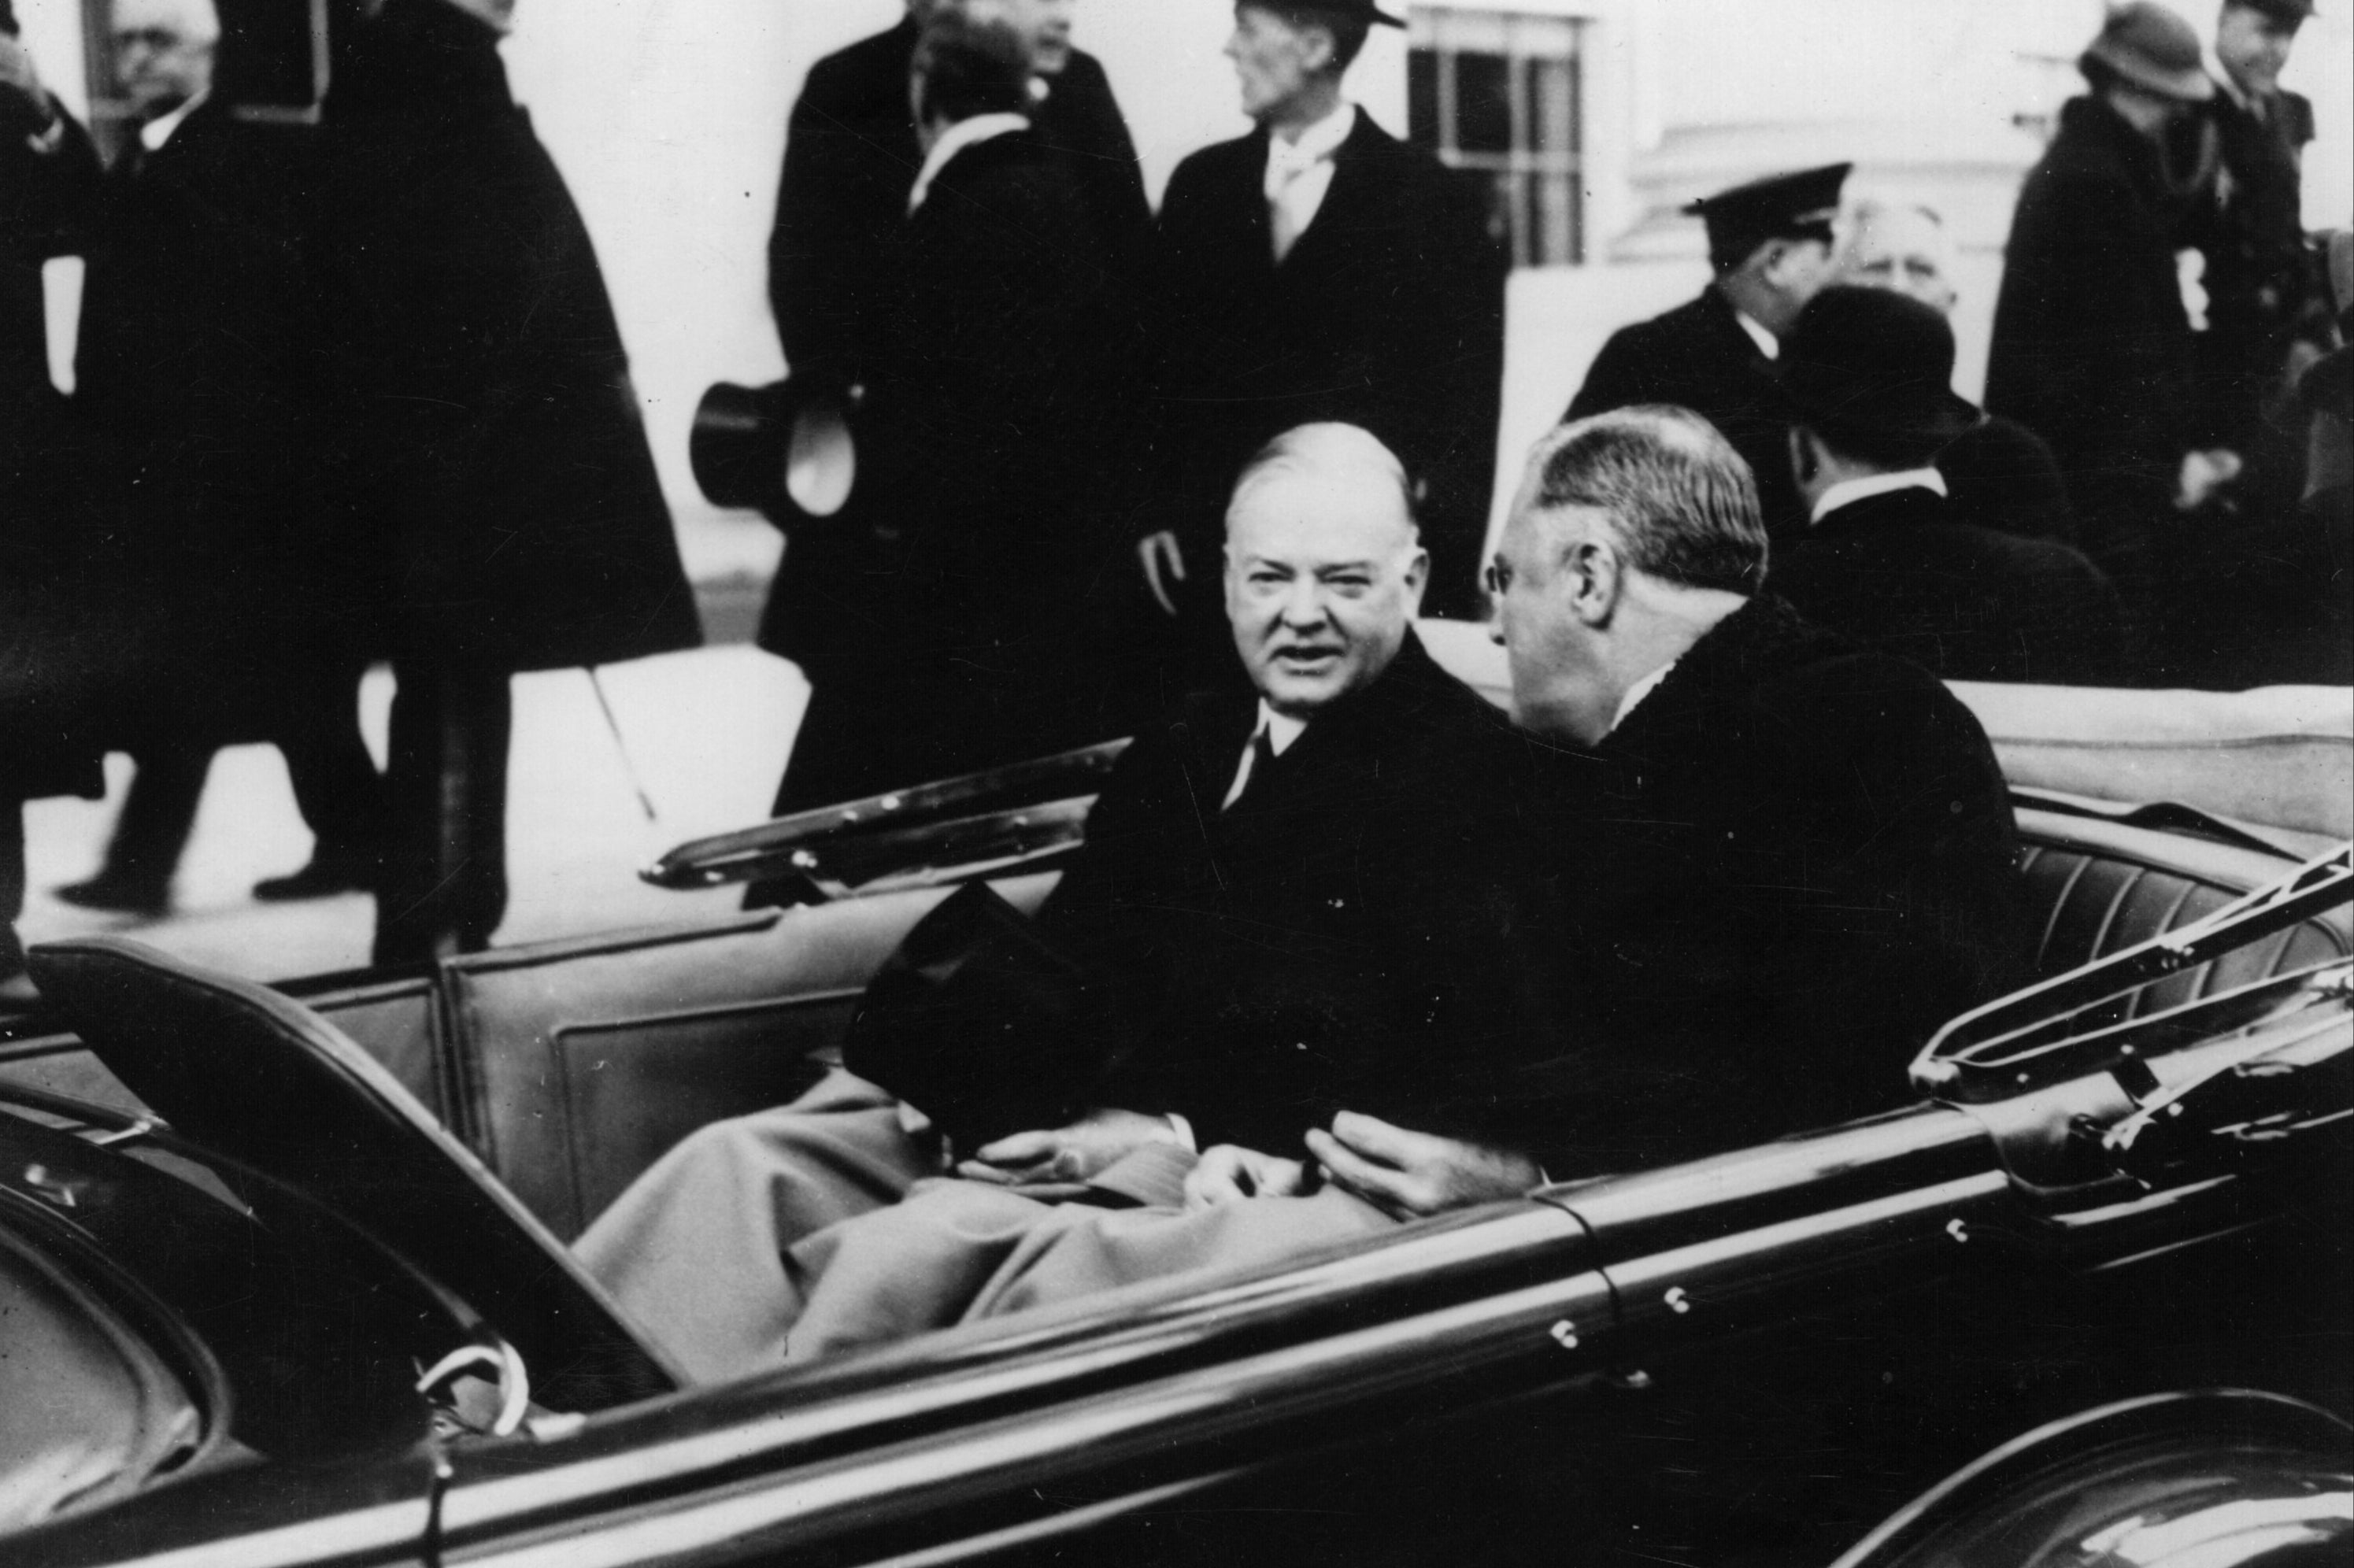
{"x":1417,"y":579}
{"x":1317,"y":41}
{"x":1596,"y":574}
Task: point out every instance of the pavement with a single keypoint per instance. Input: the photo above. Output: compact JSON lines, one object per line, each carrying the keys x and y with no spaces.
{"x":701,"y":736}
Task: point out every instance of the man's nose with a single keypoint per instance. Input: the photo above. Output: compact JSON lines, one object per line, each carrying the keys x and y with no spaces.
{"x":1304,"y":604}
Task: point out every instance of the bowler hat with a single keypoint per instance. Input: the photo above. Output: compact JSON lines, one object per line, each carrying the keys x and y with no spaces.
{"x":1795,"y":205}
{"x":2147,"y":45}
{"x":1875,"y":365}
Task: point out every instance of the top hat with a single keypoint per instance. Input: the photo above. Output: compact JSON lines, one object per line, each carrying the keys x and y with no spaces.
{"x":1797,"y":205}
{"x":2147,"y":45}
{"x":1870,"y":363}
{"x":784,"y":449}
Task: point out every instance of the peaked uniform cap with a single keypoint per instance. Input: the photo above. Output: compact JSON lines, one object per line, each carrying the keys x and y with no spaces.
{"x":1795,"y":206}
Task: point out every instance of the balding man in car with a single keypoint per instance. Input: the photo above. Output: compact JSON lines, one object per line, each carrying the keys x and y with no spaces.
{"x":1289,"y":894}
{"x":1778,"y":861}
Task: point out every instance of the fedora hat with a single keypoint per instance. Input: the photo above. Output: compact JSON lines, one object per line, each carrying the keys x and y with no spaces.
{"x":1870,"y":363}
{"x":2147,"y":45}
{"x":783,"y":450}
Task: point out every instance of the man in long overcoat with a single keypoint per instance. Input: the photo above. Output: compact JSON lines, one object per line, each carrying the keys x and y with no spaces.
{"x":47,"y":169}
{"x":1319,"y":269}
{"x":197,"y":397}
{"x":933,"y":615}
{"x":2092,"y":349}
{"x":1769,"y":243}
{"x":2260,"y":281}
{"x":495,"y":466}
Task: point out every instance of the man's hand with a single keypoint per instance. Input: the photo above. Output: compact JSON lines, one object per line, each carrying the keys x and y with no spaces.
{"x":1158,"y":553}
{"x":1410,"y":1175}
{"x":1073,"y":1153}
{"x":2203,"y":474}
{"x":1229,"y":1172}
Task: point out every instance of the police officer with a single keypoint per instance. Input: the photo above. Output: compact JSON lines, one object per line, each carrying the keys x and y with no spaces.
{"x":1770,"y":243}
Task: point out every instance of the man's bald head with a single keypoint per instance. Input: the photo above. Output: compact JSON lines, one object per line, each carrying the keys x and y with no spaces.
{"x":1324,"y":566}
{"x":164,"y":52}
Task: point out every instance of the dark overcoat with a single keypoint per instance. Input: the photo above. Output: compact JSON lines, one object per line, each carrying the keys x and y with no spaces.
{"x":2092,"y":348}
{"x":199,"y":403}
{"x":1697,"y":356}
{"x":1386,"y":312}
{"x":492,"y":461}
{"x":1908,"y":573}
{"x":934,"y":615}
{"x":851,"y":158}
{"x":2258,"y":277}
{"x":1346,"y":935}
{"x":1778,"y":875}
{"x":47,"y":649}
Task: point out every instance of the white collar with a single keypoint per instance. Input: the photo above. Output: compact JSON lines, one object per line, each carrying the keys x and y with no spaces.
{"x":158,"y":131}
{"x":1315,"y":144}
{"x":1282,"y":729}
{"x":1767,"y":344}
{"x":1848,"y":491}
{"x":956,"y":139}
{"x":1638,"y":691}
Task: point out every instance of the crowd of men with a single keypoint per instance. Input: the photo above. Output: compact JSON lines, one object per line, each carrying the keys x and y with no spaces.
{"x":1351,"y":948}
{"x":340,"y":396}
{"x":1051,"y":390}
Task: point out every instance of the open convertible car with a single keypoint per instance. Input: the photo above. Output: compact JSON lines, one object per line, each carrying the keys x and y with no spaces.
{"x":283,"y":1278}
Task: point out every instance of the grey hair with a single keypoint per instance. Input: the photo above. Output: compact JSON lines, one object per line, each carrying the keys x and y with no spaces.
{"x":1327,"y":451}
{"x":1680,"y":500}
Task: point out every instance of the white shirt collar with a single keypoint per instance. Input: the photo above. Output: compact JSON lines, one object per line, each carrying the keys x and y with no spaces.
{"x":1638,"y":691}
{"x":1767,"y":344}
{"x":1314,"y":143}
{"x":1848,"y":491}
{"x":956,"y":139}
{"x":1282,"y":729}
{"x":158,"y":131}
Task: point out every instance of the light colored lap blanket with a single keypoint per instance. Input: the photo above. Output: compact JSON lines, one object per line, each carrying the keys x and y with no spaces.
{"x":958,"y":1252}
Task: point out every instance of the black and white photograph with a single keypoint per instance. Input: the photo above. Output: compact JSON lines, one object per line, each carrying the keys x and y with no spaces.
{"x":1301,"y":783}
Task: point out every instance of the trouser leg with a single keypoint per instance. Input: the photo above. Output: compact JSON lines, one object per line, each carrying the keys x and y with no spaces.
{"x":444,"y":889}
{"x":159,"y":811}
{"x":335,"y":783}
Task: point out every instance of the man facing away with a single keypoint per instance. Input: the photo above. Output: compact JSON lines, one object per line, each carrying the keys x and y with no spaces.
{"x":1317,"y":269}
{"x":2003,"y":474}
{"x":1769,"y":243}
{"x":1281,"y":892}
{"x":852,"y":153}
{"x":1887,"y":557}
{"x":1777,"y":862}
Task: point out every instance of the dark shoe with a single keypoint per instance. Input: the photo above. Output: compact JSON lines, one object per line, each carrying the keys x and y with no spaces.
{"x":323,"y":878}
{"x":119,"y":894}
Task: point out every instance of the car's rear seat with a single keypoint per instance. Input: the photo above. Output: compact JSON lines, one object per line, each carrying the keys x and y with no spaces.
{"x":2095,"y":888}
{"x":570,"y":1066}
